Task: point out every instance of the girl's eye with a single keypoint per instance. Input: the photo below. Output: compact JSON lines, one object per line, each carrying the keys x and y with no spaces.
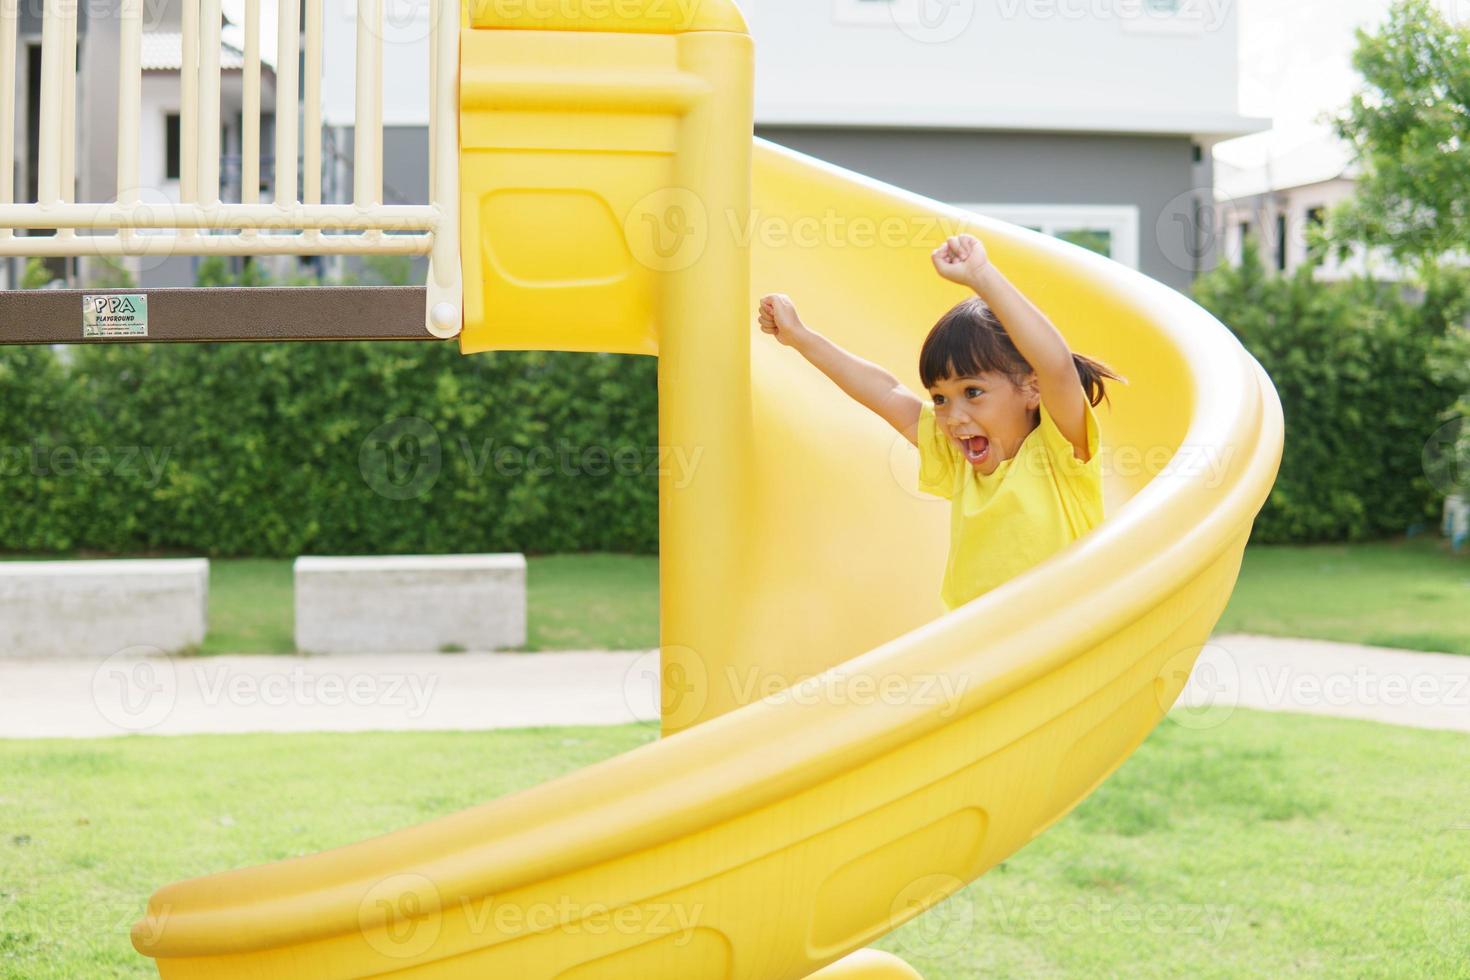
{"x":972,"y":392}
{"x":939,"y":399}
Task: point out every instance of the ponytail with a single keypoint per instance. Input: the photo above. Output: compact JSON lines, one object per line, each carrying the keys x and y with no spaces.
{"x":1091,"y":373}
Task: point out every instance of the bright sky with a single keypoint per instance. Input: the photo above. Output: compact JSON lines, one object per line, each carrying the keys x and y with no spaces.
{"x":1295,"y":62}
{"x":234,"y":11}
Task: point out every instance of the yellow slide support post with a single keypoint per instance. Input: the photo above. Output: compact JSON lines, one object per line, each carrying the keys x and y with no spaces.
{"x":839,"y":753}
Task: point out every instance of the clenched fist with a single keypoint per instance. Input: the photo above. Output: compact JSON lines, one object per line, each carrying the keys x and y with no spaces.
{"x":961,"y":259}
{"x":778,"y":318}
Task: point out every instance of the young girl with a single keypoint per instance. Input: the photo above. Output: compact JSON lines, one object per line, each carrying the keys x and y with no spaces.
{"x":1010,"y":436}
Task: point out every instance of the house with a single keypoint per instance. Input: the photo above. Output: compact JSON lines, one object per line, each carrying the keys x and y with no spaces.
{"x":1092,"y":122}
{"x":1278,"y":193}
{"x":159,"y":132}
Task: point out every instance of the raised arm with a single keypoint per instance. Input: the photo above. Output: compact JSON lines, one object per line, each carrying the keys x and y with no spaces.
{"x":962,"y":259}
{"x":865,"y":382}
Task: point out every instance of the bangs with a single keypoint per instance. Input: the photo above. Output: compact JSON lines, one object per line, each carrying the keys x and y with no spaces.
{"x":968,"y":341}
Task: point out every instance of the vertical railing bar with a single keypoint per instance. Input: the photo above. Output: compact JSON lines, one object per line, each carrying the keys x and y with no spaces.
{"x":209,"y":102}
{"x":48,"y":163}
{"x":68,"y":117}
{"x":367,"y":186}
{"x":288,"y":53}
{"x":129,"y":108}
{"x":189,"y":111}
{"x":445,"y":299}
{"x":9,"y":15}
{"x":312,"y":85}
{"x":312,"y":193}
{"x":250,"y":113}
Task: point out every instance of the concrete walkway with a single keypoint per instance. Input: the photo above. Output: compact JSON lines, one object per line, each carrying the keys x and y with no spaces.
{"x":437,"y":692}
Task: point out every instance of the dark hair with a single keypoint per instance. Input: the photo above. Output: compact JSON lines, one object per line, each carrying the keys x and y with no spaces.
{"x":970,"y":339}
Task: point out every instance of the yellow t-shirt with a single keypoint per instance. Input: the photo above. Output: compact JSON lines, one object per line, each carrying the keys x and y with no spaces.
{"x":1033,"y":505}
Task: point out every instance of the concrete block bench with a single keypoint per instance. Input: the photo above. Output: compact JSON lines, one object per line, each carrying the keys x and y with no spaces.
{"x":410,"y":604}
{"x":98,"y":608}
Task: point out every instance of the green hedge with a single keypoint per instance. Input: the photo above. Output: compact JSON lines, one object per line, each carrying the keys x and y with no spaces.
{"x":286,"y":449}
{"x":1366,"y":377}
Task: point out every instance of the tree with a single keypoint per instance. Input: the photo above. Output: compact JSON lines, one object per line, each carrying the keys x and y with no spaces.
{"x":1409,"y":125}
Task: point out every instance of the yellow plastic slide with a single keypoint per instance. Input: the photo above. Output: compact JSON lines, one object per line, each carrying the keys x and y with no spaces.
{"x":838,"y":754}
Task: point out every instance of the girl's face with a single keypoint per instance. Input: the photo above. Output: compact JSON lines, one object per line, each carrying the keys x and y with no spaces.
{"x":987,"y":415}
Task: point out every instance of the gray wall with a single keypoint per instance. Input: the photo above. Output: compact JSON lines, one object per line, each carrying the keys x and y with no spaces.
{"x":1158,"y":174}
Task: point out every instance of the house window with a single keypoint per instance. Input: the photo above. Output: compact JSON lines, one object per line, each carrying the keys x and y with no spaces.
{"x":1110,"y":230}
{"x":171,"y":146}
{"x":1281,"y":242}
{"x":1317,"y":217}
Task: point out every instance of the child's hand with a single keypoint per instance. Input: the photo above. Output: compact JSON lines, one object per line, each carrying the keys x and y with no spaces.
{"x":778,"y":318}
{"x":961,"y":259}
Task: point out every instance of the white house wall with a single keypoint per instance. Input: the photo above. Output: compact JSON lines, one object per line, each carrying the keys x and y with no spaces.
{"x":1075,"y":65}
{"x":1058,"y":65}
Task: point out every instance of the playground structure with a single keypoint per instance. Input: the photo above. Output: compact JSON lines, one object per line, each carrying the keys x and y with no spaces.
{"x":839,"y":755}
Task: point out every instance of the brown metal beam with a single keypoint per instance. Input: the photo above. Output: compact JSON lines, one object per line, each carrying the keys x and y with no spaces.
{"x":224,"y":313}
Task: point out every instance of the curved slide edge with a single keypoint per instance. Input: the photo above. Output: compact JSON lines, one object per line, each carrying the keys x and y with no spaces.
{"x":787,"y":833}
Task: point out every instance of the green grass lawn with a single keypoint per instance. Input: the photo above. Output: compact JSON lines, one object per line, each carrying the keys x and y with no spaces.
{"x":1273,"y":845}
{"x":1409,"y":593}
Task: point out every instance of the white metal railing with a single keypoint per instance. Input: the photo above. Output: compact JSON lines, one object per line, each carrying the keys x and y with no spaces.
{"x":295,"y":223}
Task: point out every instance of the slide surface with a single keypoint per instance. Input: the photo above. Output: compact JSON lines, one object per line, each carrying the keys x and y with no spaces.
{"x":916,"y":750}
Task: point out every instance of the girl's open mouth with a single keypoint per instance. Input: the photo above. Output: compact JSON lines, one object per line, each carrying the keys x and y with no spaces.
{"x":977,"y":448}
